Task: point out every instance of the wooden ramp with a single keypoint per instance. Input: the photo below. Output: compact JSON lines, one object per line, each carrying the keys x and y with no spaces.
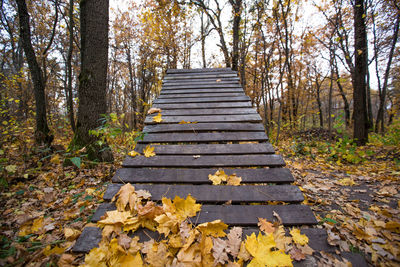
{"x":228,"y":134}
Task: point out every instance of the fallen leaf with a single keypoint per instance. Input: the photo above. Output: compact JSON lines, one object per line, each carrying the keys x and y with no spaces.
{"x":265,"y":226}
{"x":347,"y":182}
{"x":154,"y":110}
{"x":219,"y":251}
{"x":71,"y":234}
{"x":234,"y":239}
{"x":66,"y":260}
{"x":133,"y":153}
{"x":149,"y":151}
{"x":218,"y":177}
{"x":233,"y":180}
{"x":157,"y":118}
{"x":215,"y":228}
{"x":296,"y":254}
{"x":298,"y":238}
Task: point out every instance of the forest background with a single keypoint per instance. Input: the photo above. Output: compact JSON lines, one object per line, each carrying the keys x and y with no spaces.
{"x":301,"y":77}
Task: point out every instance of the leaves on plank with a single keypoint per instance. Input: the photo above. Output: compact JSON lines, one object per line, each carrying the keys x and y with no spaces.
{"x":158,"y":118}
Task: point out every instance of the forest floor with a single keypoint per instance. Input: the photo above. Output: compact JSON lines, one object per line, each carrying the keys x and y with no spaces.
{"x":354,"y":193}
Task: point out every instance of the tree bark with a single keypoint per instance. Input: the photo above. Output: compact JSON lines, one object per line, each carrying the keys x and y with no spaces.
{"x":360,"y":117}
{"x":93,"y":77}
{"x":42,"y":133}
{"x":236,"y":10}
{"x":69,"y":95}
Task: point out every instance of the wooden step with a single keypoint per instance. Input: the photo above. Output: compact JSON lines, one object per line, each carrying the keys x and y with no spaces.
{"x":202,"y":127}
{"x":210,"y":118}
{"x":241,"y":215}
{"x":185,"y":176}
{"x":210,"y":111}
{"x":164,"y":106}
{"x":195,"y":90}
{"x":210,"y":149}
{"x":199,"y":95}
{"x":217,"y":194}
{"x":202,"y":100}
{"x":204,"y":137}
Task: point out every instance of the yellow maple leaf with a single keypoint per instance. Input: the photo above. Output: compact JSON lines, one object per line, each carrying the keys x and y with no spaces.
{"x":115,"y":217}
{"x":133,"y":153}
{"x":158,"y":118}
{"x":186,"y":207}
{"x":233,"y":180}
{"x":218,"y":177}
{"x":130,"y":260}
{"x":187,"y":122}
{"x":167,"y":223}
{"x":260,"y":248}
{"x":215,"y":228}
{"x":149,"y":151}
{"x":96,"y":257}
{"x":298,"y":238}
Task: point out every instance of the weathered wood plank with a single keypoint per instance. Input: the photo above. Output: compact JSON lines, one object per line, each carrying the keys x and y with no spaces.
{"x":270,"y":160}
{"x":199,"y":127}
{"x":241,"y":215}
{"x":209,"y":118}
{"x":215,"y":86}
{"x":200,"y":76}
{"x":210,"y":111}
{"x":204,"y":137}
{"x":217,"y":194}
{"x":146,"y":175}
{"x":204,"y":105}
{"x":172,"y":71}
{"x":199,"y":91}
{"x":196,"y":95}
{"x":220,"y":80}
{"x":243,"y":98}
{"x":89,"y":238}
{"x":210,"y":149}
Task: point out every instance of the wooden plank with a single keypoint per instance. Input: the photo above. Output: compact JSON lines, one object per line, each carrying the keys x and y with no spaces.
{"x":209,"y":118}
{"x":211,"y":111}
{"x":200,"y":76}
{"x":146,"y":175}
{"x":204,"y":105}
{"x":189,"y":81}
{"x":172,"y":71}
{"x":217,"y":194}
{"x":201,"y":86}
{"x":243,"y":98}
{"x":198,"y":91}
{"x":89,"y":239}
{"x":241,"y":215}
{"x":195,"y":95}
{"x":269,"y":160}
{"x":199,"y":127}
{"x":210,"y":149}
{"x":204,"y":137}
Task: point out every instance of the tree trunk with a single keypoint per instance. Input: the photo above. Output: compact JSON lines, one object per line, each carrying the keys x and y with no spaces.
{"x":69,"y":95}
{"x":236,"y":9}
{"x":93,"y":77}
{"x":203,"y":41}
{"x":382,"y":96}
{"x":42,"y":134}
{"x":360,"y":118}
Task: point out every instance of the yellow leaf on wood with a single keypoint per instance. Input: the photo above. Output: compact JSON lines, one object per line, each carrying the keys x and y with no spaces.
{"x":298,"y":238}
{"x":157,"y":118}
{"x":71,"y":234}
{"x":265,"y":226}
{"x":149,"y":151}
{"x":218,"y":177}
{"x":233,"y":180}
{"x":133,"y":153}
{"x":215,"y":228}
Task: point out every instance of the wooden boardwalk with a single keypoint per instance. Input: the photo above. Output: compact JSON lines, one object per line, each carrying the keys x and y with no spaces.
{"x":228,"y":134}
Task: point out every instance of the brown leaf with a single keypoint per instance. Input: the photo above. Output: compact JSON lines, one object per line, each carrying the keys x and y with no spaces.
{"x":234,"y":240}
{"x":153,"y":110}
{"x":219,"y":251}
{"x":66,"y":260}
{"x":265,"y":226}
{"x":296,"y":254}
{"x":124,"y":241}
